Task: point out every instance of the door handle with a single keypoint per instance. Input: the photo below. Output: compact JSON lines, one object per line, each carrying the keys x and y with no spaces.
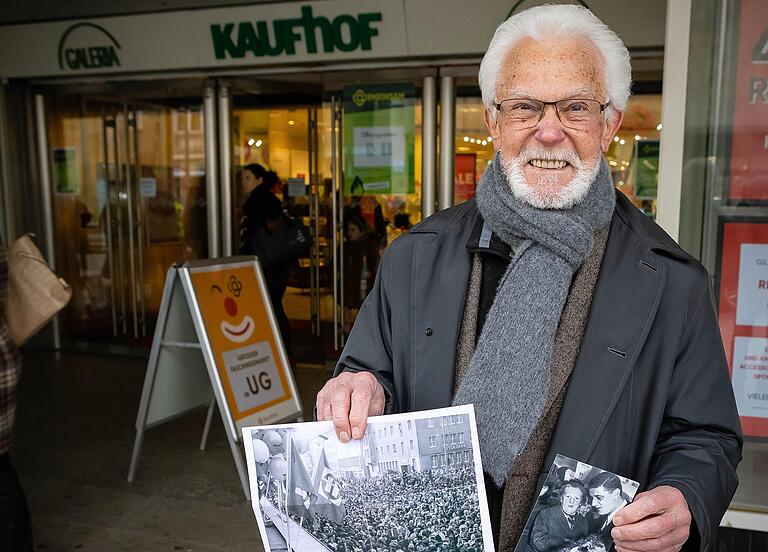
{"x":109,"y":122}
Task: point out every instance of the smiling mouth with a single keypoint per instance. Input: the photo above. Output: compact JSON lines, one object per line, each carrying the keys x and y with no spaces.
{"x":548,"y":163}
{"x":239,"y":332}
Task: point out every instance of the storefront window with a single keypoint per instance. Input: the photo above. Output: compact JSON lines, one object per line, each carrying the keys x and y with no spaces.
{"x":724,"y":214}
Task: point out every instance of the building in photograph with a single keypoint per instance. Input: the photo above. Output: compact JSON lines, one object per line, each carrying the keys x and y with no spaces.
{"x":420,"y":445}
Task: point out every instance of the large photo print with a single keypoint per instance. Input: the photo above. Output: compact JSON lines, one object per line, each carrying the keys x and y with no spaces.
{"x":575,"y":509}
{"x":412,"y":483}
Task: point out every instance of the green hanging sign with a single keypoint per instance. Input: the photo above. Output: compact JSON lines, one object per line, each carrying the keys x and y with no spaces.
{"x":65,"y":174}
{"x":647,"y":169}
{"x":379,"y":137}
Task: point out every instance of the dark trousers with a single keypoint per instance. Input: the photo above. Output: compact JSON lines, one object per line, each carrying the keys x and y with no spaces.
{"x":15,"y":525}
{"x":277,"y":280}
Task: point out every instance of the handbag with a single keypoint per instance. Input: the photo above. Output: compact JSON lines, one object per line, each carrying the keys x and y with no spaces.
{"x":289,"y":242}
{"x":35,"y":292}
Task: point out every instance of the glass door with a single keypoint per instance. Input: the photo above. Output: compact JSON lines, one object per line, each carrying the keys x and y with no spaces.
{"x":348,"y":165}
{"x":129,"y":201}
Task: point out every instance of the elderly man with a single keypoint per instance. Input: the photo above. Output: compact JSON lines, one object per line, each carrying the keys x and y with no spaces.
{"x":572,"y":322}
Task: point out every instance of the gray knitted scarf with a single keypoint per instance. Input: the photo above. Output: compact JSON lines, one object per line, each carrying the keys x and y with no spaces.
{"x":508,"y":376}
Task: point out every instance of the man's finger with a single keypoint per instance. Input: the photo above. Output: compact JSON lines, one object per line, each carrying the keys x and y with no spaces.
{"x":670,"y":542}
{"x":323,"y":406}
{"x":340,"y":399}
{"x":358,"y":412}
{"x":646,"y":504}
{"x":647,"y":528}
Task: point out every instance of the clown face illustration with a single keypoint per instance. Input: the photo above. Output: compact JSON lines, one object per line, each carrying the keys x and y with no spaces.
{"x":239,"y":331}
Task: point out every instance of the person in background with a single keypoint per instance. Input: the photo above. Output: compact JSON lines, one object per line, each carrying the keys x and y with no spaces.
{"x":15,"y":524}
{"x":361,"y":249}
{"x":263,"y":211}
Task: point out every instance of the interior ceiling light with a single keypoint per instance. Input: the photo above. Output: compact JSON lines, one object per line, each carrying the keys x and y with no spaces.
{"x":658,"y":127}
{"x":251,"y":142}
{"x":291,"y":122}
{"x":258,"y":143}
{"x":466,"y":138}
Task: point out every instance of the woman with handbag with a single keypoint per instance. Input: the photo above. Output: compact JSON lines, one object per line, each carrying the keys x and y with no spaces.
{"x":15,"y":525}
{"x":263,"y":213}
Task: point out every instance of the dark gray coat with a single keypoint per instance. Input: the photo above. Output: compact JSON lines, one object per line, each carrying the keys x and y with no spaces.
{"x":650,"y":396}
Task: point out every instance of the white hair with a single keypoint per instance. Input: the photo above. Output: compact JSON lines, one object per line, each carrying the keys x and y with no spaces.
{"x":559,"y":22}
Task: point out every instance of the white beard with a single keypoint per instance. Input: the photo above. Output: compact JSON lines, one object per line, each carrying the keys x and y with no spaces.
{"x":542,"y":196}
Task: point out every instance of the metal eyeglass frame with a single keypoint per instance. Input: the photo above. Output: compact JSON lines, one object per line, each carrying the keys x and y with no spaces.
{"x":603,"y":107}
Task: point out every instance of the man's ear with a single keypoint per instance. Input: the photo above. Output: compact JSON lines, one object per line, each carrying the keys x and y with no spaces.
{"x":612,"y":126}
{"x":491,"y":123}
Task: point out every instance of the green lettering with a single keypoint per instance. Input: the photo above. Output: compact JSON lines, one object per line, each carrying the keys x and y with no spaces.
{"x":222,"y":41}
{"x":71,"y":56}
{"x":263,"y":31}
{"x":247,"y":41}
{"x":112,"y":57}
{"x":311,"y":25}
{"x":290,"y":36}
{"x":338,"y":36}
{"x":366,"y":32}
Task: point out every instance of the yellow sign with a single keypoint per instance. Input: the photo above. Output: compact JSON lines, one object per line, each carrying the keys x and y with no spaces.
{"x":241,"y":333}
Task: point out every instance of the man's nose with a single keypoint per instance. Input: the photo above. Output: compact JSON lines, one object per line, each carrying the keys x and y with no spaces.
{"x":549,"y":131}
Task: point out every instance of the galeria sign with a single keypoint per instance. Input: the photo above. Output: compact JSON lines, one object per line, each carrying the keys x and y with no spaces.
{"x":345,"y":33}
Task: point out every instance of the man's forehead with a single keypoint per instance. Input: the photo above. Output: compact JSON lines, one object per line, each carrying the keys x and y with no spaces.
{"x":528,"y":93}
{"x":565,"y":65}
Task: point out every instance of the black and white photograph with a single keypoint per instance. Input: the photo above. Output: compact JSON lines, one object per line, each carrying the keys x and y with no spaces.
{"x":575,"y":509}
{"x":412,"y":483}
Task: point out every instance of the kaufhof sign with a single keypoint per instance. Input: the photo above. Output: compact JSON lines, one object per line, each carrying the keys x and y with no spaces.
{"x":343,"y":33}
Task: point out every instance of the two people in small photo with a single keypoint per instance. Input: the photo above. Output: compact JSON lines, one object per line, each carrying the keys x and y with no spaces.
{"x":581,"y":518}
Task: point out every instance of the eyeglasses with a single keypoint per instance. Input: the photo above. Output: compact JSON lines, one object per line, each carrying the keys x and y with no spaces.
{"x":574,"y":113}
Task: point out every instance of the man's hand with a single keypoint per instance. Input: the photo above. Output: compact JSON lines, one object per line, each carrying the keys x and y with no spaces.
{"x":348,"y":400}
{"x":657,"y":520}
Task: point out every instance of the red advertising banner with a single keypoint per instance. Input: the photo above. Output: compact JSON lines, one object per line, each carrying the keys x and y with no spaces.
{"x":744,"y":319}
{"x":749,"y":148}
{"x":465,"y":179}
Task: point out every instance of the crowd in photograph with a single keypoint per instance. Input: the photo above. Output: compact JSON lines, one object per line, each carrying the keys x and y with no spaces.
{"x":436,"y":511}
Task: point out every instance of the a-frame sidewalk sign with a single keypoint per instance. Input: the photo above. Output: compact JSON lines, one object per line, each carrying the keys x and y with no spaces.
{"x":217,"y":343}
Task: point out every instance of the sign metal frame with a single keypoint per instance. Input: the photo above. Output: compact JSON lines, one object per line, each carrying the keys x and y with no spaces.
{"x":289,"y":409}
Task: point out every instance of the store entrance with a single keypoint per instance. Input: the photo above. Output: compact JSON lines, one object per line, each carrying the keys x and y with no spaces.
{"x":346,"y":176}
{"x":128,"y":184}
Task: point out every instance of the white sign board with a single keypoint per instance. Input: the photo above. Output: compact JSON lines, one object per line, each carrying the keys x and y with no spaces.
{"x":752,"y":298}
{"x":750,"y":376}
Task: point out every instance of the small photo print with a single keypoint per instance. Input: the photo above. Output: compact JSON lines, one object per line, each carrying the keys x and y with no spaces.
{"x":575,"y":509}
{"x":413,"y":483}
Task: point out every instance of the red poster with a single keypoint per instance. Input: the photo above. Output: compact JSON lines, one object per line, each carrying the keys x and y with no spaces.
{"x":465,"y":179}
{"x":744,"y":319}
{"x":749,"y":149}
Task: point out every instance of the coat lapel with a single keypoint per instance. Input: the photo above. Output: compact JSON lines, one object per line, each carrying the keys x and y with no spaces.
{"x":624,"y":306}
{"x":440,"y":276}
